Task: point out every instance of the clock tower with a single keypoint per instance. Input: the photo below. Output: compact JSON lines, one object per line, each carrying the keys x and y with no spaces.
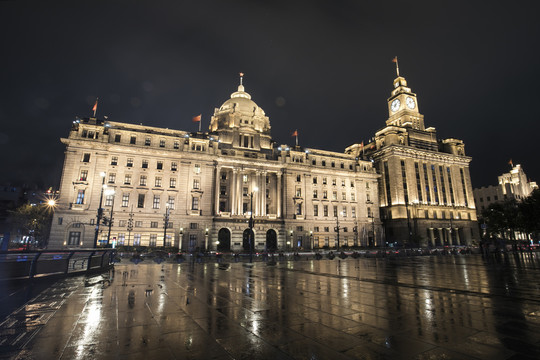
{"x":403,"y":106}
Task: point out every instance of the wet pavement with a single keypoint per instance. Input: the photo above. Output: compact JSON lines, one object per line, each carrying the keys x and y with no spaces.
{"x":438,"y":307}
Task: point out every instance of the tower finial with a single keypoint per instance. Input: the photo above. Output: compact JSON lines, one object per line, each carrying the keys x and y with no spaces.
{"x":397,"y":65}
{"x":241,"y":78}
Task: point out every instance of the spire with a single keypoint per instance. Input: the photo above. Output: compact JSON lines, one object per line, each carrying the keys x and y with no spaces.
{"x":241,"y":92}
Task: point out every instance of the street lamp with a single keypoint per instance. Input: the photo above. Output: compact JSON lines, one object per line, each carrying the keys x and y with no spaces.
{"x":166,"y":223}
{"x":110,"y":192}
{"x":337,"y":230}
{"x":255,"y":189}
{"x":99,"y":210}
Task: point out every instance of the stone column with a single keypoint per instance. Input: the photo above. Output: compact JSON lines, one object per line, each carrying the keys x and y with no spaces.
{"x":262,"y":190}
{"x":233,"y":188}
{"x":431,"y":236}
{"x":279,"y":195}
{"x":218,"y":175}
{"x":449,"y":231}
{"x":458,"y":240}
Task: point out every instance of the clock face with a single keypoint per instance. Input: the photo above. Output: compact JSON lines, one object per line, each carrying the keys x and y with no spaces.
{"x":410,"y":103}
{"x":395,"y":105}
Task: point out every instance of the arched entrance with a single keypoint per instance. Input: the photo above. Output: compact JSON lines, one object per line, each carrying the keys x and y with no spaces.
{"x":245,"y":239}
{"x":224,"y":239}
{"x":271,"y":240}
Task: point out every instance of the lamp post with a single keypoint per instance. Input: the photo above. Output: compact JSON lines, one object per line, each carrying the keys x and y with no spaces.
{"x":99,"y":210}
{"x":130,"y":224}
{"x":166,"y":223}
{"x":337,"y":230}
{"x":110,"y":192}
{"x":255,"y":189}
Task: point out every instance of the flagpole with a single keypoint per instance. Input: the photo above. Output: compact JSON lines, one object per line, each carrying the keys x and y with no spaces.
{"x":296,"y":137}
{"x":200,"y":121}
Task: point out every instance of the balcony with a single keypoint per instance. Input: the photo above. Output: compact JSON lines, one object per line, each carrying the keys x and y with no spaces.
{"x":79,"y":207}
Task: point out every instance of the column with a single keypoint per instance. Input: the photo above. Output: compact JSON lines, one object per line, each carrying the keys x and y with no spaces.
{"x":450,"y":236}
{"x":279,"y":195}
{"x":240,"y":192}
{"x":458,"y":240}
{"x":431,"y":237}
{"x":263,"y":193}
{"x":218,"y":175}
{"x":233,"y":188}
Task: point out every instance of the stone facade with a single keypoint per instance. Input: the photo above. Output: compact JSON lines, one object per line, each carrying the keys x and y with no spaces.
{"x":425,"y":190}
{"x":207,"y":184}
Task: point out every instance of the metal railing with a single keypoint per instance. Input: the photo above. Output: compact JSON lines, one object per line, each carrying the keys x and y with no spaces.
{"x":30,"y":264}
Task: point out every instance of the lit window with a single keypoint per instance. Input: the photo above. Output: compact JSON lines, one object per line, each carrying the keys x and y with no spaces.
{"x":158,"y":181}
{"x":174,"y":166}
{"x":196,"y":184}
{"x":172,"y":183}
{"x":114,"y":160}
{"x":112,"y":178}
{"x":125,"y":200}
{"x":159,"y":165}
{"x":197,"y":169}
{"x":127,"y":179}
{"x":161,"y":143}
{"x":129,"y":162}
{"x":140,"y":201}
{"x":147,"y":141}
{"x":142,"y":181}
{"x":194,"y":203}
{"x":145,"y":164}
{"x":155,"y":203}
{"x":80,"y":197}
{"x":84,"y":175}
{"x":170,"y":202}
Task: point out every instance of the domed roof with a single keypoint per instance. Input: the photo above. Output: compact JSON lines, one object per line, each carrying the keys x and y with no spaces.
{"x":241,"y":101}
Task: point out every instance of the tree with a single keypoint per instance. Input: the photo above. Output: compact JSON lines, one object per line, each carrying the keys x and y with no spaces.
{"x":33,"y":221}
{"x":530,"y":212}
{"x":503,"y":218}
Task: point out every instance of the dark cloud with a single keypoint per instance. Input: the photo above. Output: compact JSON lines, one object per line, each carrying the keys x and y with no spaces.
{"x":320,"y":67}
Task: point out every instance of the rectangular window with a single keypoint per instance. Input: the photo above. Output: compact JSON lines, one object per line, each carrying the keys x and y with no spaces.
{"x":298,"y":192}
{"x":463,"y":186}
{"x":122,"y":223}
{"x":159,"y":165}
{"x":314,"y":179}
{"x":334,"y":195}
{"x":324,"y":181}
{"x":117,"y":138}
{"x":129,"y":162}
{"x":176,"y":145}
{"x":133,"y":140}
{"x":404,"y":181}
{"x":121,"y":238}
{"x":114,"y":160}
{"x":194,"y":203}
{"x":353,"y":212}
{"x":315,"y":194}
{"x":193,"y":226}
{"x":426,"y":182}
{"x":222,"y":190}
{"x":315,"y":210}
{"x":140,"y":201}
{"x":344,"y":211}
{"x":172,"y":183}
{"x":147,"y":141}
{"x":418,"y":184}
{"x":158,"y":181}
{"x":137,"y":240}
{"x":125,"y":200}
{"x":153,"y":224}
{"x":109,"y":200}
{"x":142,"y":181}
{"x":197,"y":169}
{"x":335,"y":210}
{"x":138,"y":223}
{"x":60,"y":220}
{"x":74,"y":238}
{"x":153,"y":239}
{"x":196,"y":184}
{"x":80,"y":197}
{"x":112,"y":178}
{"x":161,"y":143}
{"x":353,"y":197}
{"x":334,"y":182}
{"x":298,"y":209}
{"x":342,"y":182}
{"x":84,"y":175}
{"x":298,"y":178}
{"x":155,"y":203}
{"x":127,"y":179}
{"x":325,"y":210}
{"x":170,"y":202}
{"x":145,"y":164}
{"x":86,"y":158}
{"x":344,"y":196}
{"x":174,"y":166}
{"x":325,"y":194}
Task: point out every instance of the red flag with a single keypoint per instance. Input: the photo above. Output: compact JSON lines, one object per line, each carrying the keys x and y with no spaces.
{"x":295,"y":133}
{"x":241,"y":74}
{"x":95,"y":107}
{"x":372,"y":146}
{"x":362,"y":144}
{"x":394,"y":60}
{"x":510,"y":163}
{"x":197,"y":118}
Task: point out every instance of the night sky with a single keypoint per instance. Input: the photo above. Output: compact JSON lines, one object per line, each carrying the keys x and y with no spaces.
{"x":322,"y":67}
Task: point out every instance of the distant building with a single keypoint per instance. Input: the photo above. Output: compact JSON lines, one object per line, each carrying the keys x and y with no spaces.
{"x":208,"y":184}
{"x":425,"y":190}
{"x":511,"y":185}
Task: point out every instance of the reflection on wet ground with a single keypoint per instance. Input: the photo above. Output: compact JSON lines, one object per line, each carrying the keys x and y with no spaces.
{"x":455,"y":307}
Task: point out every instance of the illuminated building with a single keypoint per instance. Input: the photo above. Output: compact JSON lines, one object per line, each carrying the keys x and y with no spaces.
{"x":425,"y":190}
{"x":206,"y":179}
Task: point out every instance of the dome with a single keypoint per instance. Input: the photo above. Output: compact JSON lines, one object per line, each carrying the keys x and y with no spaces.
{"x":240,"y":101}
